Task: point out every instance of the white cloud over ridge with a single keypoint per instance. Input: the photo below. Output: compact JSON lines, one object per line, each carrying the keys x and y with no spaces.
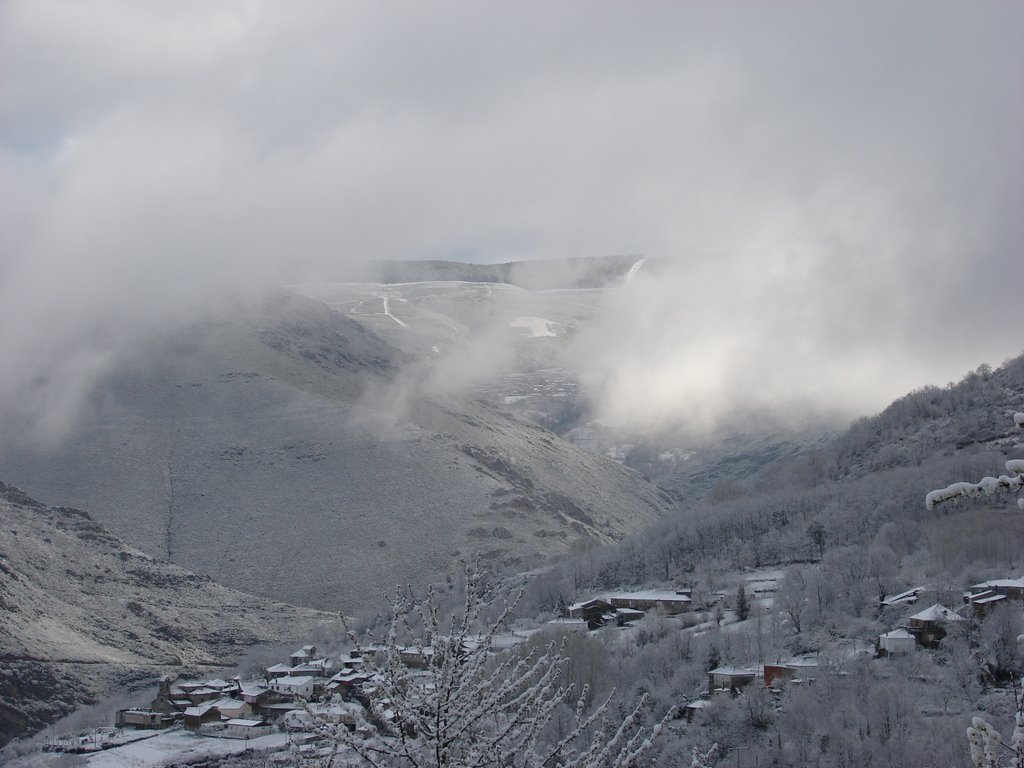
{"x":840,"y":187}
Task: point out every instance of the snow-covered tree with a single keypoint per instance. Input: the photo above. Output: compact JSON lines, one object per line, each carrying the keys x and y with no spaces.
{"x":986,"y":745}
{"x":1013,"y":481}
{"x":469,"y":705}
{"x":701,"y":759}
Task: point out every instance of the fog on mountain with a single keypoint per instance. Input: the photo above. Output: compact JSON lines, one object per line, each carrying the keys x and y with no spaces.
{"x":433,"y":384}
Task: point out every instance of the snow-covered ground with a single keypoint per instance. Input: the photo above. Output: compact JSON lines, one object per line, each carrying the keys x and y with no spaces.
{"x":387,"y":311}
{"x":634,"y":269}
{"x":179,"y":746}
{"x":535,"y":326}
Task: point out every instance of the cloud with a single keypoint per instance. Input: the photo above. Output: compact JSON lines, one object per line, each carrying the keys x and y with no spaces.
{"x":839,"y":187}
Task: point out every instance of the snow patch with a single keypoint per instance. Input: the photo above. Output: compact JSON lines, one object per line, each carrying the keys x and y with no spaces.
{"x":535,"y":326}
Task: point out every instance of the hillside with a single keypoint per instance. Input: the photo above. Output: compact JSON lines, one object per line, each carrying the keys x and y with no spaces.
{"x":85,"y":614}
{"x":861,"y":489}
{"x":277,"y":448}
{"x":971,"y":415}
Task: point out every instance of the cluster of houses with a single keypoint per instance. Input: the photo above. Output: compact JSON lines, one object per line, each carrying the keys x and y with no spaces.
{"x":927,"y":628}
{"x":622,"y":608}
{"x":247,"y":709}
{"x":292,"y":696}
{"x":729,"y":681}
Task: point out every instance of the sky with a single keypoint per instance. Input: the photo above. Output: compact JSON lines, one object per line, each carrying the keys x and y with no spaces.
{"x":839,"y":188}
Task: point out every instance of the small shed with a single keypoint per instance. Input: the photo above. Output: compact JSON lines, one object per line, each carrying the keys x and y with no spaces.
{"x":730,"y":680}
{"x":896,"y":642}
{"x":694,"y":708}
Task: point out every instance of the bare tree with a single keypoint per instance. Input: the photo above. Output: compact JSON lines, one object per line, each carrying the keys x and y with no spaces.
{"x":791,"y":597}
{"x":469,"y":706}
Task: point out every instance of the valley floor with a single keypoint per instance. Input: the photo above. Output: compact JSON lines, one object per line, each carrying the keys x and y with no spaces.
{"x":164,"y":749}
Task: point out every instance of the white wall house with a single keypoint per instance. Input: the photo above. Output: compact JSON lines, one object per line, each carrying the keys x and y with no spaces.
{"x":897,"y":641}
{"x":293,"y":686}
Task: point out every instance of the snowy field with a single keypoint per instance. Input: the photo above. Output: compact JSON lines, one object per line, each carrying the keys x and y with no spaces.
{"x":535,"y":326}
{"x":180,"y":746}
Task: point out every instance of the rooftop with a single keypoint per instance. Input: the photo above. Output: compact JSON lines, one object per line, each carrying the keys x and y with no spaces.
{"x":937,"y":613}
{"x":735,"y":671}
{"x":898,"y":634}
{"x":293,"y":682}
{"x":650,"y":594}
{"x":1000,"y":583}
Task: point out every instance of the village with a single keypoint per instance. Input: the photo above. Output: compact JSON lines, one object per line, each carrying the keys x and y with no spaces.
{"x":287,"y":706}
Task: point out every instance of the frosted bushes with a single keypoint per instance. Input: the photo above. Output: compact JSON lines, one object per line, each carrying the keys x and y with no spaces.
{"x":1013,"y":482}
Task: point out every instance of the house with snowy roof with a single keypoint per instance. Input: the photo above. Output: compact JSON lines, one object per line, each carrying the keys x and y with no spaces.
{"x":988,"y":594}
{"x":200,"y":715}
{"x":347,"y":680}
{"x":929,"y":626}
{"x":593,"y":611}
{"x":598,"y":612}
{"x":301,"y":687}
{"x":255,"y":694}
{"x":346,"y":712}
{"x":145,"y":719}
{"x":247,"y":728}
{"x":416,"y":656}
{"x":277,"y":670}
{"x":795,"y":671}
{"x":316,"y":667}
{"x":304,"y":654}
{"x":232,"y":708}
{"x":350,"y":658}
{"x":667,"y":601}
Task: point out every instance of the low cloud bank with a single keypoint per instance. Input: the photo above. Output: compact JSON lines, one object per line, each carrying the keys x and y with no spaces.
{"x":839,"y":188}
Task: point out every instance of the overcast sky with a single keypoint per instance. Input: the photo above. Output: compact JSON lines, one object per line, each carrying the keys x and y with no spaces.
{"x":840,"y":187}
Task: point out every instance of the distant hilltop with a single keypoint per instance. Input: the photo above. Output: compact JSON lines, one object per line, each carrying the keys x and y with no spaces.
{"x":538,"y":275}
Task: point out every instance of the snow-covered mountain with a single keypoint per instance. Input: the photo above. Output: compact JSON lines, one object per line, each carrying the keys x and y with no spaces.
{"x":544,"y":274}
{"x":285,"y":449}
